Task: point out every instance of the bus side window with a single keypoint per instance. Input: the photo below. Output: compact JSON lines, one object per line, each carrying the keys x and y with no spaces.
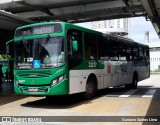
{"x":103,"y":50}
{"x":121,"y":51}
{"x":146,"y":54}
{"x":135,"y":52}
{"x":90,"y":43}
{"x":141,"y":53}
{"x":113,"y":49}
{"x":129,"y":52}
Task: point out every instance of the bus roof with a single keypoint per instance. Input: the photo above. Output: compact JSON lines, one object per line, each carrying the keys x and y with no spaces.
{"x":37,"y":24}
{"x":123,"y":39}
{"x":82,"y":29}
{"x":62,"y":23}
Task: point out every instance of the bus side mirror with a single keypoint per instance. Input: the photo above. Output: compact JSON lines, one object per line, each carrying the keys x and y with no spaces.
{"x":75,"y":45}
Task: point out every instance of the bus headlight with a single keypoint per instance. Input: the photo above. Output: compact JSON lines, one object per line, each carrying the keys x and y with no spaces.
{"x":57,"y":80}
{"x":16,"y":82}
{"x":61,"y":78}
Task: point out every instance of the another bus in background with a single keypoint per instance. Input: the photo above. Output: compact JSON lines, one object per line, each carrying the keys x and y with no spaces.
{"x":7,"y":68}
{"x":3,"y":65}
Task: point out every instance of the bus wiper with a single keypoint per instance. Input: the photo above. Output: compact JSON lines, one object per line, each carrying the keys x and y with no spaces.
{"x":25,"y":45}
{"x":47,"y":38}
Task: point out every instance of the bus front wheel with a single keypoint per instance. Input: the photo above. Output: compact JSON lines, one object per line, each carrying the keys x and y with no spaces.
{"x":90,"y":89}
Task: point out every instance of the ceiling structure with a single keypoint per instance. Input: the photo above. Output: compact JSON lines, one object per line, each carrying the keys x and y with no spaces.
{"x":10,"y":21}
{"x":152,"y":8}
{"x":76,"y":11}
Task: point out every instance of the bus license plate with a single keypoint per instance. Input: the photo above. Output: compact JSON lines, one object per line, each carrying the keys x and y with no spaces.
{"x":33,"y":90}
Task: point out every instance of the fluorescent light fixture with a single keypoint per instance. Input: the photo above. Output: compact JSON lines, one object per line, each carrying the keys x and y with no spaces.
{"x":8,"y":1}
{"x":16,"y":0}
{"x":5,"y":1}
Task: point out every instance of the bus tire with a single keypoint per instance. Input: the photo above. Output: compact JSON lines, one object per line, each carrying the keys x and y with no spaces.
{"x":132,"y":85}
{"x":134,"y":82}
{"x":49,"y":97}
{"x":128,"y":86}
{"x":90,"y":89}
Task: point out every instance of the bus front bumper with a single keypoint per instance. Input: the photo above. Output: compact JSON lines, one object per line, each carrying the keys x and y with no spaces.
{"x":59,"y":89}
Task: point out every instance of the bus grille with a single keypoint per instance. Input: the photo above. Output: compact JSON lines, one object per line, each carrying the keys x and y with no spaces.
{"x":34,"y":74}
{"x":39,"y":85}
{"x":38,"y":90}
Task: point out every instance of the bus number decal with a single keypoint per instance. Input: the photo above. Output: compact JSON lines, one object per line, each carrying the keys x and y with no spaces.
{"x":27,"y":32}
{"x":92,"y":64}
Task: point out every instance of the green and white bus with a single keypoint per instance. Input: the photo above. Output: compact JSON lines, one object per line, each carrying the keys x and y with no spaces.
{"x":6,"y":59}
{"x":10,"y":59}
{"x":58,"y":58}
{"x":3,"y":65}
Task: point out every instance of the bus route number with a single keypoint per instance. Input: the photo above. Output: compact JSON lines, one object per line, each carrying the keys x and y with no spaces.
{"x":92,"y":64}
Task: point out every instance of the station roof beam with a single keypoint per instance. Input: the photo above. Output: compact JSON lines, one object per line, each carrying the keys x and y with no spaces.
{"x":152,"y":8}
{"x":75,"y":11}
{"x":47,"y":11}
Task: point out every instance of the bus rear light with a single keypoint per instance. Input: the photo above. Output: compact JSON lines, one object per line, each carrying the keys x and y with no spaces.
{"x":108,"y":68}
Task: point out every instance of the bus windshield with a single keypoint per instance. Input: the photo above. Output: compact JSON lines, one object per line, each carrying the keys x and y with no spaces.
{"x":39,"y":53}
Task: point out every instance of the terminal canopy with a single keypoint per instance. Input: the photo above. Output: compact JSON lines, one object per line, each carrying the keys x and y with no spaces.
{"x":75,"y":11}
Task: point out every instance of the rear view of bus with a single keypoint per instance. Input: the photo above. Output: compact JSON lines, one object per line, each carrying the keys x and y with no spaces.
{"x":39,"y":67}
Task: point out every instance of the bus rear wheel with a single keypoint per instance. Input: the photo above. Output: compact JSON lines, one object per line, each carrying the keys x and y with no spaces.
{"x":134,"y":83}
{"x":90,"y":89}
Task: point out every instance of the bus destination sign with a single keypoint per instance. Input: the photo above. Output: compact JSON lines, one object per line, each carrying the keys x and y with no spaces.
{"x":44,"y":29}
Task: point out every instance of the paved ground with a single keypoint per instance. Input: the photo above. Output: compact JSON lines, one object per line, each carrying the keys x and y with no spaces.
{"x":143,"y":101}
